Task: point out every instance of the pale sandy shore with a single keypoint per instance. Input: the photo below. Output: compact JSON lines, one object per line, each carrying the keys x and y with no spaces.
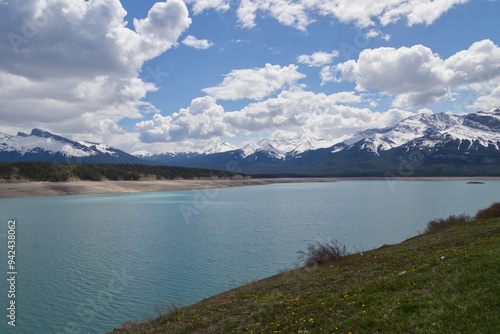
{"x":38,"y":189}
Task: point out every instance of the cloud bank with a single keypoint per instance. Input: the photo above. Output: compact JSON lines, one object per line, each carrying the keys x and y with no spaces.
{"x":417,"y":77}
{"x":300,"y":13}
{"x":297,"y":111}
{"x":255,"y":83}
{"x":72,"y":66}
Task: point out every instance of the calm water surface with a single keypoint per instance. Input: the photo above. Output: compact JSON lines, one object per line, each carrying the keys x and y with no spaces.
{"x":87,"y":264}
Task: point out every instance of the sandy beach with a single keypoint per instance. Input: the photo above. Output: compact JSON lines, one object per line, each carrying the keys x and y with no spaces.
{"x":38,"y":189}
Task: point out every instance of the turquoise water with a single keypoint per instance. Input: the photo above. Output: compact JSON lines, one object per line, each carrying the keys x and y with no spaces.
{"x":86,"y":264}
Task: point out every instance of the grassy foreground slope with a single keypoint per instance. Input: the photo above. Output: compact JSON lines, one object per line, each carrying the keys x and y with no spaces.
{"x":444,"y":281}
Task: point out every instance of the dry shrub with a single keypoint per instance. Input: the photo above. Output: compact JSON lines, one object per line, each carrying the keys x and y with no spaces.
{"x":320,"y":253}
{"x":492,"y":212}
{"x":441,"y":224}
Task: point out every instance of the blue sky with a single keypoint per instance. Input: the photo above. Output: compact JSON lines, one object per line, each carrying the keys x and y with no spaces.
{"x":175,"y":76}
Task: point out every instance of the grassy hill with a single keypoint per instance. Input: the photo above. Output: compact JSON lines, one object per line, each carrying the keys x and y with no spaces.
{"x":60,"y":172}
{"x":443,"y":281}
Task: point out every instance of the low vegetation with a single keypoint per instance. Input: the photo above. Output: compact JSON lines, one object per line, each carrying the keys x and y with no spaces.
{"x":60,"y":172}
{"x":444,"y":281}
{"x":492,"y":212}
{"x":442,"y":224}
{"x":322,"y":253}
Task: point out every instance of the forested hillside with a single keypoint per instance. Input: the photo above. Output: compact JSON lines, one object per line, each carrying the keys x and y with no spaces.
{"x":60,"y":172}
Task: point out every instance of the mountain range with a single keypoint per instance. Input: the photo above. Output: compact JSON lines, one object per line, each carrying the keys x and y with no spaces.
{"x":424,"y":144}
{"x":44,"y":146}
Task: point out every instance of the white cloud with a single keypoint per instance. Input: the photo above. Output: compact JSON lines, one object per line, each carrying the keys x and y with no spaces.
{"x":411,"y":100}
{"x":394,"y":70}
{"x":480,"y":63}
{"x":165,"y":22}
{"x":318,"y":58}
{"x":200,"y":6}
{"x":417,"y":76}
{"x":489,"y":101}
{"x":425,"y":111}
{"x":325,"y":116}
{"x":199,"y":44}
{"x":203,"y":119}
{"x":72,"y":66}
{"x":376,"y":33}
{"x":342,"y":120}
{"x":372,"y":33}
{"x":289,"y":110}
{"x":326,"y":74}
{"x":418,"y":11}
{"x":292,"y":111}
{"x":287,"y":12}
{"x":300,"y":13}
{"x":255,"y":83}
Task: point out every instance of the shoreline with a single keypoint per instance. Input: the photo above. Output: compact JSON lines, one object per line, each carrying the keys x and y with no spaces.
{"x":42,"y":189}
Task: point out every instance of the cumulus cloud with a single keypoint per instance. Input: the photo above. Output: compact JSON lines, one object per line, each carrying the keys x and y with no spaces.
{"x":417,"y":76}
{"x":327,"y":74}
{"x":199,"y":6}
{"x":318,"y":58}
{"x":72,"y":66}
{"x":404,"y":69}
{"x":199,"y":44}
{"x":342,"y":120}
{"x":165,"y":22}
{"x":300,"y":13}
{"x":375,"y":33}
{"x":480,"y":63}
{"x":417,"y":11}
{"x":203,"y":119}
{"x":255,"y":83}
{"x":488,"y":101}
{"x":292,"y":111}
{"x":287,"y":12}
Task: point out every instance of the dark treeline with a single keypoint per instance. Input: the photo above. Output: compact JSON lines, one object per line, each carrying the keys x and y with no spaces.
{"x":60,"y":172}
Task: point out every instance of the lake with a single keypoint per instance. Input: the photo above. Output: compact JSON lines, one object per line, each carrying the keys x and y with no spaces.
{"x":86,"y":264}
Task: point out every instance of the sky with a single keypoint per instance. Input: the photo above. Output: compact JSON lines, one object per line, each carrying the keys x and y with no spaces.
{"x":170,"y":76}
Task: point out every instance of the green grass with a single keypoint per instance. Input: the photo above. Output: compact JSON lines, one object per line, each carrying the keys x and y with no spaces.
{"x":439,"y":282}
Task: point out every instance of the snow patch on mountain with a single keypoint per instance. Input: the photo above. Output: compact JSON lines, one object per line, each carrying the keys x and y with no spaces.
{"x":142,"y":154}
{"x":99,"y":147}
{"x":422,"y":130}
{"x":40,"y":141}
{"x":280,"y":149}
{"x":217,"y":146}
{"x":435,"y":128}
{"x":428,"y":128}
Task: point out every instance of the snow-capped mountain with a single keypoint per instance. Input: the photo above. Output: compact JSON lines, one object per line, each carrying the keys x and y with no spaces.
{"x":41,"y":145}
{"x":280,"y":149}
{"x":459,"y":144}
{"x":431,"y":130}
{"x":217,"y":146}
{"x":275,"y":149}
{"x":425,"y":144}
